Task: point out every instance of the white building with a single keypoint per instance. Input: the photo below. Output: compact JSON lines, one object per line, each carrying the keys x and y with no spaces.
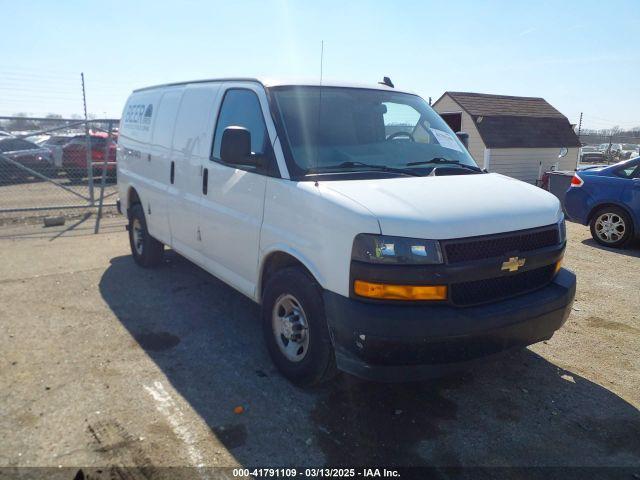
{"x":515,"y":136}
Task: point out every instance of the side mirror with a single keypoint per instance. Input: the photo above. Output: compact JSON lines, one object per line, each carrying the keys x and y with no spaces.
{"x":235,"y":148}
{"x":563,"y":152}
{"x":464,"y":138}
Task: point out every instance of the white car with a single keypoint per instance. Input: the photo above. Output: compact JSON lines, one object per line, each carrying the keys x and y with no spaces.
{"x":352,"y":214}
{"x":628,"y":150}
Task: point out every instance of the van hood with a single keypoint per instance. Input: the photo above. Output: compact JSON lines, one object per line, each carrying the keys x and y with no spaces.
{"x":451,"y":206}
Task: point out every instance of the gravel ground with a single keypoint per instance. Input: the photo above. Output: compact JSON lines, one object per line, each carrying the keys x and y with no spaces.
{"x":105,"y":364}
{"x":36,"y":193}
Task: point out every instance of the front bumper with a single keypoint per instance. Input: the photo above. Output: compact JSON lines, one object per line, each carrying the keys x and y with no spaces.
{"x":392,"y":342}
{"x":99,"y":165}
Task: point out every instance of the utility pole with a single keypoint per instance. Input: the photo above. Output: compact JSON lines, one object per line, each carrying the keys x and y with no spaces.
{"x":580,"y":125}
{"x":87,"y":142}
{"x":580,"y":141}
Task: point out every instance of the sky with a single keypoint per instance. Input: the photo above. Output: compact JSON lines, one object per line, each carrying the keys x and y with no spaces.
{"x":580,"y":56}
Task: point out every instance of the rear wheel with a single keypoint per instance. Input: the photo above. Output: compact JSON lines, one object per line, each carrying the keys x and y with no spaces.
{"x":295,"y":328}
{"x":147,"y":251}
{"x":75,"y":175}
{"x":611,"y":227}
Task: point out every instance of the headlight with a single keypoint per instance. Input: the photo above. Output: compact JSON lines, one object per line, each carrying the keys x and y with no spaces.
{"x":395,"y":250}
{"x":562,"y":230}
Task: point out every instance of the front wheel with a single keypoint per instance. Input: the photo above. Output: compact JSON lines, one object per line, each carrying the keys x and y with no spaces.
{"x":147,"y":251}
{"x":295,"y":328}
{"x":611,"y":227}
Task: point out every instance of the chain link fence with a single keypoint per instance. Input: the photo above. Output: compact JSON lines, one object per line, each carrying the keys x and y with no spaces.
{"x":56,"y":167}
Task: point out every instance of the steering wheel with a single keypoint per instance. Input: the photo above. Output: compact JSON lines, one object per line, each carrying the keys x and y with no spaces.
{"x":395,"y":135}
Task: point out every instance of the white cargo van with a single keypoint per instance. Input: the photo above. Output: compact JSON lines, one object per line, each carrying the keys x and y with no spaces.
{"x":352,"y":214}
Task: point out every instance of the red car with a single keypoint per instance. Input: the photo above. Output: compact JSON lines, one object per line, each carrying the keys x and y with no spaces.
{"x":74,"y":155}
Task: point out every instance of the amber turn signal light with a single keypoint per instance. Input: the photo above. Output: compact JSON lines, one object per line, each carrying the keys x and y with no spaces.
{"x":558,"y":266}
{"x":385,"y":291}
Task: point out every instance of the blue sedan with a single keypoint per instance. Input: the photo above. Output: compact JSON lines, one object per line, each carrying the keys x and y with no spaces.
{"x":608,"y":200}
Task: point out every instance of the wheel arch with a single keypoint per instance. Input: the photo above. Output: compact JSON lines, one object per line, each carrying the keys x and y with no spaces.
{"x":132,"y":198}
{"x":280,"y":258}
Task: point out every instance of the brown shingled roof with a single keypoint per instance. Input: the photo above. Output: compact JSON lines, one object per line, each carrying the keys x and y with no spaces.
{"x":503,"y":105}
{"x":516,"y":122}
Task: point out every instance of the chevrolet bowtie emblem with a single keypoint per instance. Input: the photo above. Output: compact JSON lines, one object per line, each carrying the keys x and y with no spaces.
{"x":513,"y":264}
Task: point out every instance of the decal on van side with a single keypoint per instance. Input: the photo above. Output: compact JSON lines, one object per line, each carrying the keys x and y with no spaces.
{"x":139,"y":116}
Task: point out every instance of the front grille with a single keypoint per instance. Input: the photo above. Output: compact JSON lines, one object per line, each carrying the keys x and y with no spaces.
{"x":492,"y":289}
{"x":500,"y":245}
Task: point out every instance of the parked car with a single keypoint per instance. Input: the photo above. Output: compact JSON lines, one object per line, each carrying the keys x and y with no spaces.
{"x":56,"y":144}
{"x":615,"y":148}
{"x":589,"y":149}
{"x":388,"y":255}
{"x":592,"y":157}
{"x":74,"y":155}
{"x":608,"y":200}
{"x":628,"y":150}
{"x":25,"y":153}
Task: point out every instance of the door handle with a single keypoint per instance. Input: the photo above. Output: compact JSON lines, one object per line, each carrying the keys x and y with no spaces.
{"x":172,"y":174}
{"x":205,"y":181}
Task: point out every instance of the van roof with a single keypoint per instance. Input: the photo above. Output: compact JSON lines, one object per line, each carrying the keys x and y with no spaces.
{"x":271,"y":82}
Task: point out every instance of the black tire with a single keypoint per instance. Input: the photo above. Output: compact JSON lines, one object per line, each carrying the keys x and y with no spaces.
{"x":318,"y":364}
{"x":616,"y":213}
{"x":48,"y":171}
{"x":74,"y":176}
{"x":149,"y":251}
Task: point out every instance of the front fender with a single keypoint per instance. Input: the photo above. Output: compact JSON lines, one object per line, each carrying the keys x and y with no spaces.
{"x":298,"y":255}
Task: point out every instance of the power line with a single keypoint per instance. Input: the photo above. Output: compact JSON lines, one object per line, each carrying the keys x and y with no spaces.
{"x":49,"y":85}
{"x":38,"y":71}
{"x":600,"y":118}
{"x":67,"y":78}
{"x":599,"y":121}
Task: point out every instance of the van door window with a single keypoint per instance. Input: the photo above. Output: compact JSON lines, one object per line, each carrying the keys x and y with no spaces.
{"x":241,"y":108}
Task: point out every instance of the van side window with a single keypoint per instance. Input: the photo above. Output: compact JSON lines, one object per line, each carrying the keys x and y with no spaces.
{"x":241,"y":107}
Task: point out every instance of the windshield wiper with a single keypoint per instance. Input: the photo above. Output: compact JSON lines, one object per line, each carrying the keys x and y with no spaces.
{"x":350,"y":164}
{"x":440,"y":161}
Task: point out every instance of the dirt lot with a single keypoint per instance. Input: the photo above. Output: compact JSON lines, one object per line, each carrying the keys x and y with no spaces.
{"x":33,"y":194}
{"x":104,"y":363}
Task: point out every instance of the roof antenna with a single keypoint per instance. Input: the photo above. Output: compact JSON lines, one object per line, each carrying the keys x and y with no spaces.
{"x":321,"y":59}
{"x":387,"y":81}
{"x":319,"y":102}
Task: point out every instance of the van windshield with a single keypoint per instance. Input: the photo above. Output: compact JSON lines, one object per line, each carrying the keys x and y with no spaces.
{"x":333,"y":130}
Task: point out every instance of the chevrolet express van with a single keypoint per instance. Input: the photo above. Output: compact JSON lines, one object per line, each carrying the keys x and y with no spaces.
{"x":352,"y":214}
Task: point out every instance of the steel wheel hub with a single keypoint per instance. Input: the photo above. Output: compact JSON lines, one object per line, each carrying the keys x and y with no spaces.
{"x":610,"y":227}
{"x":138,"y":236}
{"x":290,"y":327}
